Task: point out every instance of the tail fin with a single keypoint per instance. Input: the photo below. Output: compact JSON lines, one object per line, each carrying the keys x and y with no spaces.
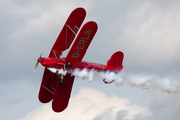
{"x":116,"y":60}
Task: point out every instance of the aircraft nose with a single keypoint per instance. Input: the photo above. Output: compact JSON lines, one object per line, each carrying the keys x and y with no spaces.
{"x":38,"y":60}
{"x":41,"y":61}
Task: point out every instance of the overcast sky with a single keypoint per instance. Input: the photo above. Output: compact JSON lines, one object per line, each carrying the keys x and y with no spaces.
{"x":146,"y":31}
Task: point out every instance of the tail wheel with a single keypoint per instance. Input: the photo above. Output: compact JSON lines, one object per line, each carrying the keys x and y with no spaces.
{"x":107,"y":82}
{"x":69,"y":64}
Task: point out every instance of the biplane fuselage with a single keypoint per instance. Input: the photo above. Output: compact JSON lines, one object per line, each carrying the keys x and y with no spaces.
{"x":59,"y":63}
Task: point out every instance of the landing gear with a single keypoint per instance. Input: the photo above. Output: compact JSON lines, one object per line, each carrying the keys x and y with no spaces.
{"x":61,"y":82}
{"x":61,"y":76}
{"x":107,"y":82}
{"x":69,"y":64}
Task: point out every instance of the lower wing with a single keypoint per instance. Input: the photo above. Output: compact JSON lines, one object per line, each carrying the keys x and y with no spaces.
{"x":62,"y":94}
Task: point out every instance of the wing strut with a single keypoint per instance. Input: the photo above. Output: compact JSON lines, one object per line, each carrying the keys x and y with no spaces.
{"x":76,"y":28}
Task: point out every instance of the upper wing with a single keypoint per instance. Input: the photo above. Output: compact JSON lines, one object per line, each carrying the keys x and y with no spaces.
{"x":68,"y":32}
{"x":82,"y":43}
{"x":62,"y":43}
{"x":62,"y":94}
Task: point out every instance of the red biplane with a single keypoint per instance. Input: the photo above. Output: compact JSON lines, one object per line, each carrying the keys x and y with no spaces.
{"x":56,"y":86}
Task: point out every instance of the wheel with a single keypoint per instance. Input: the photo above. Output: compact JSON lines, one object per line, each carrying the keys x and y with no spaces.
{"x":69,"y":64}
{"x":107,"y":82}
{"x":61,"y":82}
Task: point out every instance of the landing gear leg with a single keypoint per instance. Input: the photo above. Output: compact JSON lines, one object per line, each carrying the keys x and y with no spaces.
{"x":61,"y":81}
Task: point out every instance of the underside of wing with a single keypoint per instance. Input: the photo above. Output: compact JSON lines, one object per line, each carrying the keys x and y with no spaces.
{"x":68,"y":32}
{"x":62,"y":94}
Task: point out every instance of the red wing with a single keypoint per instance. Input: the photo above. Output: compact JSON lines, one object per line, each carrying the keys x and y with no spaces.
{"x":48,"y":85}
{"x":62,"y":94}
{"x":82,"y":43}
{"x":68,"y":32}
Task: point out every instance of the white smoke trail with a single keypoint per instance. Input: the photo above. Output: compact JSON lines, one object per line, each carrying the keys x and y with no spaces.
{"x":60,"y":71}
{"x":151,"y":81}
{"x":110,"y":76}
{"x":84,"y":74}
{"x":89,"y":74}
{"x":167,"y":85}
{"x":143,"y":81}
{"x":53,"y":70}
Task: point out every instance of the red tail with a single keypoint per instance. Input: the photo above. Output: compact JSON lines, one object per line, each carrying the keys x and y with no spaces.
{"x":116,"y":60}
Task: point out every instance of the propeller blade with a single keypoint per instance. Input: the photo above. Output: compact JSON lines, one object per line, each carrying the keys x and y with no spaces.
{"x":37,"y":63}
{"x":41,"y":54}
{"x":39,"y":60}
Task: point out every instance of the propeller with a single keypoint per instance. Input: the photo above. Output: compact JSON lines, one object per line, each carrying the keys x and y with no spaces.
{"x":38,"y":60}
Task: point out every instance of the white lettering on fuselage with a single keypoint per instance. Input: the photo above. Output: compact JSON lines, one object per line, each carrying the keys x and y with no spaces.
{"x":81,"y":44}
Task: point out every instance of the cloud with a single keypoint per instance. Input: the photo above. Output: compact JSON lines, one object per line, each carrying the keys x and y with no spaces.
{"x":18,"y":97}
{"x":162,"y":106}
{"x":90,"y":104}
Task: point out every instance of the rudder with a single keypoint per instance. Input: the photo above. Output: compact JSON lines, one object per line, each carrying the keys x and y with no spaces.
{"x":116,"y":60}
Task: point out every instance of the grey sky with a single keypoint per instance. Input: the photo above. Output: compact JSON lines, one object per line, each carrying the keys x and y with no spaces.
{"x":146,"y":31}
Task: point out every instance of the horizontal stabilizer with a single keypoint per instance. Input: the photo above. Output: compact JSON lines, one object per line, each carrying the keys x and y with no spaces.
{"x":116,"y":60}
